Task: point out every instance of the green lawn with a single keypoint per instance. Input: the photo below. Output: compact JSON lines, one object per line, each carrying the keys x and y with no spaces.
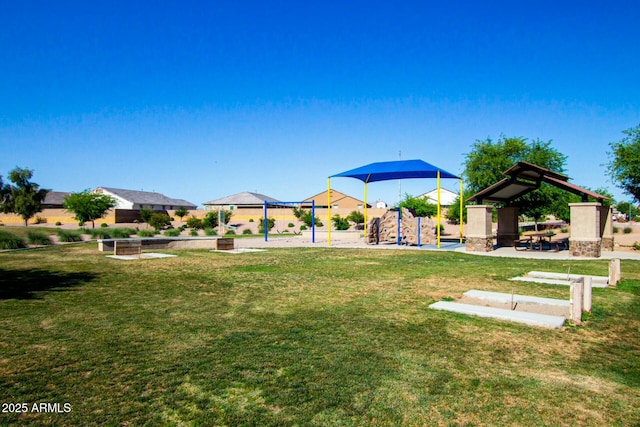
{"x":305,"y":337}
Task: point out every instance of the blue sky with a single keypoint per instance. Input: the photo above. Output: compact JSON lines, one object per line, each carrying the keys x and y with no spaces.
{"x":199,"y":100}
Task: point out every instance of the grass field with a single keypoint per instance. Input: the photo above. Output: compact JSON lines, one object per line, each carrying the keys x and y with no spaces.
{"x":305,"y":337}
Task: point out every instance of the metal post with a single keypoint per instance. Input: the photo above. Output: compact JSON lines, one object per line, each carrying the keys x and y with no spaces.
{"x":265,"y":223}
{"x":313,"y":221}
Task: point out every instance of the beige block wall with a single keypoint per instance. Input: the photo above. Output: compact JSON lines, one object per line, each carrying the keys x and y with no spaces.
{"x":51,"y":216}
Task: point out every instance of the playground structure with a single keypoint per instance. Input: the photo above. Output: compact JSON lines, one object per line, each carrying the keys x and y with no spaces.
{"x":401,"y":227}
{"x":402,"y":169}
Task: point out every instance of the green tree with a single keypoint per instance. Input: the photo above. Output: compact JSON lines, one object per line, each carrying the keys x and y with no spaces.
{"x":419,"y":205}
{"x":628,"y":209}
{"x":145,"y":215}
{"x":24,"y":198}
{"x":88,"y":206}
{"x":624,"y":162}
{"x":211,"y":219}
{"x":159,"y":220}
{"x":487,"y":161}
{"x":453,"y":212}
{"x":181,"y":212}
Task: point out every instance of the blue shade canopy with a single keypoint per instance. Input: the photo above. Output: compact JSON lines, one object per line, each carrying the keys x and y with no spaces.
{"x":400,"y":169}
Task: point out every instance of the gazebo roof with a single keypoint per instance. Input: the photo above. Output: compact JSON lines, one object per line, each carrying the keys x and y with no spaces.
{"x":523,"y":178}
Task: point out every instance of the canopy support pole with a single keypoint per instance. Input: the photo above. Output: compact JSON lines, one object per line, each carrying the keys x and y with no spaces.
{"x":461,"y":208}
{"x":365,"y":211}
{"x":438,"y":211}
{"x":328,"y":211}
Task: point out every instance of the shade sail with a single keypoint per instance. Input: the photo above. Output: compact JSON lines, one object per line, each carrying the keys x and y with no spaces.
{"x":400,"y":169}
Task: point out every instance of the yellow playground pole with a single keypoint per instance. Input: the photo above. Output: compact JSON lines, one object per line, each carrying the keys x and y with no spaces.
{"x":365,"y":211}
{"x":328,"y":211}
{"x":461,"y":208}
{"x":438,"y":211}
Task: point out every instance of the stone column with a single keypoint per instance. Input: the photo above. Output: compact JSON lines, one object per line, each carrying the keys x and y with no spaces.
{"x":479,"y":235}
{"x":585,"y":240}
{"x":507,"y":226}
{"x":606,"y":228}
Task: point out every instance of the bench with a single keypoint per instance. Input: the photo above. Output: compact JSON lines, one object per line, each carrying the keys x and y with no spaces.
{"x":526,"y":240}
{"x":127,"y":247}
{"x":559,"y":244}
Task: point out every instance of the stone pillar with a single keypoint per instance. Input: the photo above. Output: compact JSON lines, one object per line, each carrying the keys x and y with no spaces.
{"x":479,"y":235}
{"x":507,"y":226}
{"x":585,"y":240}
{"x":606,"y":228}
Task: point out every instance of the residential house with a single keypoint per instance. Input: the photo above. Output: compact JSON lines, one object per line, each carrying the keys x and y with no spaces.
{"x":135,"y":200}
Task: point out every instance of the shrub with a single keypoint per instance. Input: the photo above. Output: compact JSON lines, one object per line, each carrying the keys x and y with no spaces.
{"x":230,"y":233}
{"x":247,"y":231}
{"x":40,"y":220}
{"x":193,"y":222}
{"x":58,"y":223}
{"x":193,"y":233}
{"x":172,"y":232}
{"x":270,"y":223}
{"x":100,"y":233}
{"x":69,"y":236}
{"x":636,"y":246}
{"x":616,"y":230}
{"x":104,"y":224}
{"x":356,"y":217}
{"x":290,"y":225}
{"x":37,"y":237}
{"x":305,"y":216}
{"x":159,"y":220}
{"x":10,"y":241}
{"x":566,"y":230}
{"x":251,"y":220}
{"x":339,"y":222}
{"x":210,"y":232}
{"x":146,"y":233}
{"x":122,"y":233}
{"x":303,"y":227}
{"x":627,"y":230}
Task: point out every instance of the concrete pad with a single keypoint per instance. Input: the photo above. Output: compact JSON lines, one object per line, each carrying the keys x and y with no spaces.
{"x":532,"y":319}
{"x":563,"y":276}
{"x":549,"y":281}
{"x":520,"y":299}
{"x":149,"y":255}
{"x":239,"y":251}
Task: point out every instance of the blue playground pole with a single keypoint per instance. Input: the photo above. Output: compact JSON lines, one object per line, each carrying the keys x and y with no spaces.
{"x":265,"y":223}
{"x":313,"y":221}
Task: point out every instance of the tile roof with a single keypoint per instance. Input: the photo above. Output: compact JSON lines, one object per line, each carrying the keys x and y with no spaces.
{"x":245,"y":198}
{"x":55,"y":197}
{"x":148,"y":197}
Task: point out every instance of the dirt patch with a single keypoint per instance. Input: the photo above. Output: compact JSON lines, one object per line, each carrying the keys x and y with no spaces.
{"x":520,"y":306}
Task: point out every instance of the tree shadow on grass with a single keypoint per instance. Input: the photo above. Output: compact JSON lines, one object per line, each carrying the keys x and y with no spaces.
{"x":27,"y":284}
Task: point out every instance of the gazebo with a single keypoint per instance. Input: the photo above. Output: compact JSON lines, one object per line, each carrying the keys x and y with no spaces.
{"x":400,"y":169}
{"x":591,"y":221}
